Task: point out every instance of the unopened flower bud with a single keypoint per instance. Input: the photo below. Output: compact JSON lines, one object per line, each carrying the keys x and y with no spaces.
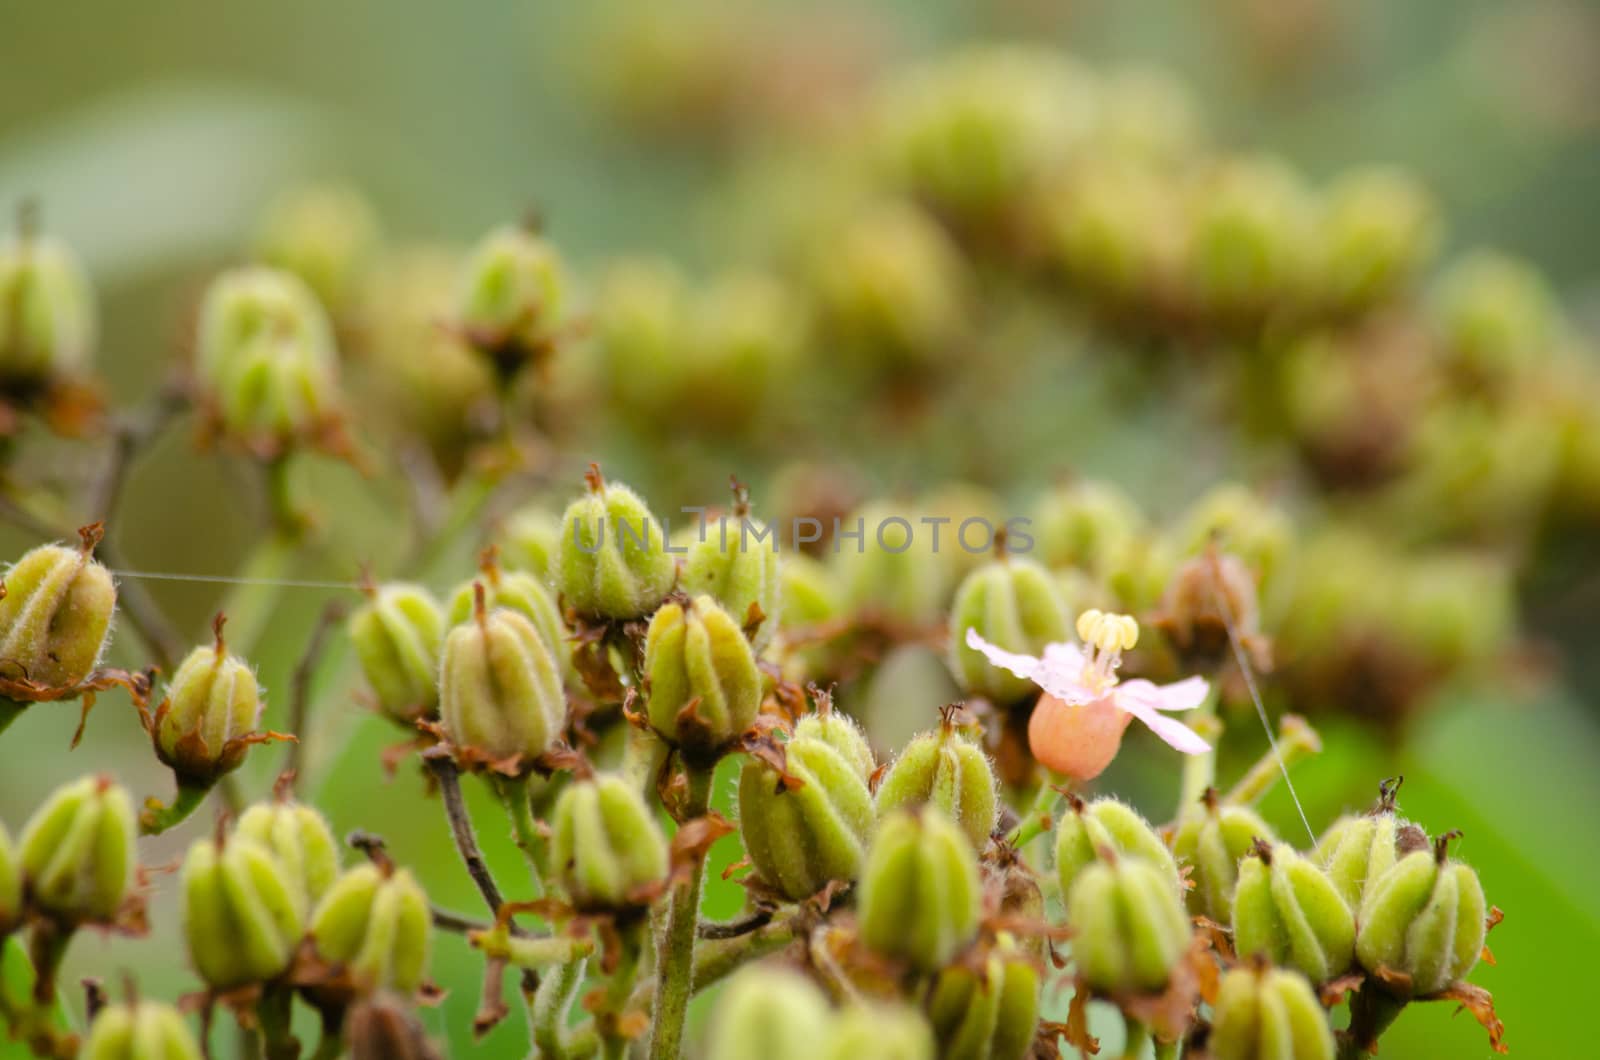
{"x":613,"y":561}
{"x":920,"y":893}
{"x":208,"y":719}
{"x":1360,"y":849}
{"x":1425,"y":918}
{"x":1129,"y":927}
{"x":1248,"y":238}
{"x":1497,"y":316}
{"x":735,"y":562}
{"x":55,"y":615}
{"x":1083,"y":525}
{"x":773,"y":1013}
{"x":531,"y":541}
{"x":141,"y":1030}
{"x":521,"y":592}
{"x":299,"y":837}
{"x":47,"y":311}
{"x":1212,"y":844}
{"x":77,"y":852}
{"x":384,"y":1027}
{"x":10,"y":886}
{"x":500,"y":688}
{"x":377,"y":926}
{"x":606,"y":848}
{"x":327,"y":235}
{"x":811,"y":823}
{"x":704,"y":687}
{"x":1091,"y":831}
{"x":243,"y":912}
{"x":887,"y":567}
{"x":880,"y":1031}
{"x":1014,"y":604}
{"x":990,"y":1014}
{"x":1378,"y":228}
{"x":946,"y":770}
{"x":1264,"y":1013}
{"x":1286,"y":909}
{"x":398,"y":636}
{"x":511,"y":297}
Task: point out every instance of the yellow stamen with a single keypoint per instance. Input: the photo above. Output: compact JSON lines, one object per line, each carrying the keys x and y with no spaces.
{"x":1106,"y":636}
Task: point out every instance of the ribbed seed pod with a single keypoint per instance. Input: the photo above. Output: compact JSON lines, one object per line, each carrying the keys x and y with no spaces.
{"x":879,"y":1031}
{"x":510,"y":297}
{"x":613,"y":562}
{"x":1264,"y":1013}
{"x":1425,"y":917}
{"x":531,"y":541}
{"x":1212,"y":844}
{"x":55,"y":615}
{"x":243,"y":912}
{"x":1287,"y":909}
{"x":736,"y":563}
{"x":920,"y":893}
{"x":1130,"y":930}
{"x":1015,"y":604}
{"x":606,"y":848}
{"x":947,"y":770}
{"x":1084,"y":525}
{"x":398,"y":636}
{"x":500,"y":688}
{"x":143,"y":1030}
{"x":377,"y":926}
{"x":1093,"y":831}
{"x":886,"y":566}
{"x":47,"y":313}
{"x":1357,"y":850}
{"x":77,"y":852}
{"x":843,"y":735}
{"x":299,"y":837}
{"x":325,"y":234}
{"x":987,"y":1015}
{"x":205,"y":725}
{"x":704,"y":687}
{"x":521,"y":592}
{"x":766,"y":1012}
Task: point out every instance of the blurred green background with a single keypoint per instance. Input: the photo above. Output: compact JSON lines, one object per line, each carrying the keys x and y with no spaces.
{"x":154,"y":133}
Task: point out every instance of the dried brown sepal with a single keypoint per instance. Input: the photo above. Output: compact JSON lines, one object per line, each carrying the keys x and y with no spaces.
{"x":559,"y":759}
{"x":742,"y":863}
{"x":1479,"y":1002}
{"x":691,"y":841}
{"x":23,"y":689}
{"x":1490,"y":922}
{"x":764,"y":747}
{"x":1170,"y":1012}
{"x":1336,"y":990}
{"x":492,"y":1007}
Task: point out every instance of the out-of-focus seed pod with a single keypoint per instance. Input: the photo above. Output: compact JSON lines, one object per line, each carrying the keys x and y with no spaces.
{"x":299,"y":837}
{"x":243,"y":912}
{"x":1129,"y":927}
{"x":1114,"y":228}
{"x":1083,"y":524}
{"x":1264,"y":1013}
{"x":398,"y":636}
{"x":520,"y":592}
{"x":325,"y":234}
{"x":606,"y":848}
{"x":1250,"y":223}
{"x":500,"y":688}
{"x":920,"y":893}
{"x":1357,"y":850}
{"x":1147,"y":115}
{"x":55,"y":615}
{"x":642,"y":327}
{"x":990,"y":1014}
{"x":1090,"y":832}
{"x":1014,"y":604}
{"x":1241,"y":522}
{"x":511,"y":298}
{"x":77,"y":852}
{"x":879,"y":1032}
{"x":377,"y":926}
{"x":384,"y":1027}
{"x":746,"y":330}
{"x":1425,"y":918}
{"x":48,"y":324}
{"x":141,"y":1030}
{"x":1212,"y":844}
{"x":735,"y":562}
{"x":1210,"y":595}
{"x":613,"y":561}
{"x":10,"y":886}
{"x":704,"y":687}
{"x":1378,"y":228}
{"x":1287,"y":909}
{"x":887,"y":567}
{"x":949,"y":772}
{"x":531,"y":541}
{"x":1496,"y":316}
{"x":768,"y":1012}
{"x":208,"y":719}
{"x":810,"y":597}
{"x":811,"y":823}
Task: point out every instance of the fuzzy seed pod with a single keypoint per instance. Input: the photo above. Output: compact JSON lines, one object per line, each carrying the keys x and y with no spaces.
{"x":704,"y":686}
{"x":1359,"y":849}
{"x":326,"y":235}
{"x":1083,"y":525}
{"x":1286,"y":909}
{"x":1212,"y":844}
{"x":948,"y":770}
{"x":378,"y":926}
{"x":800,"y":836}
{"x":55,"y":615}
{"x":299,"y":837}
{"x":1014,"y":604}
{"x":842,"y":734}
{"x":1248,"y":238}
{"x":1113,"y":227}
{"x":987,"y":1015}
{"x":10,"y":886}
{"x":1264,"y":1013}
{"x":1497,"y":316}
{"x":144,"y":1030}
{"x":768,"y":1012}
{"x":613,"y":562}
{"x":606,"y":848}
{"x":510,"y":298}
{"x":1090,"y":832}
{"x":810,"y":597}
{"x":47,"y":312}
{"x":208,"y":720}
{"x":920,"y":894}
{"x":500,"y":688}
{"x":887,"y":568}
{"x":736,"y":563}
{"x":879,"y":1031}
{"x":243,"y":912}
{"x":77,"y":852}
{"x":384,"y":1027}
{"x":1129,"y":927}
{"x":520,"y":592}
{"x":1425,"y":917}
{"x":531,"y":541}
{"x":398,"y":636}
{"x":1378,"y":228}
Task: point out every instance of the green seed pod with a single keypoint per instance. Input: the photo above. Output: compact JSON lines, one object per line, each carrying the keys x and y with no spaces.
{"x":1286,"y":909}
{"x":77,"y":852}
{"x":920,"y":893}
{"x":641,"y":322}
{"x":1105,"y":828}
{"x":1425,"y":917}
{"x":207,"y":722}
{"x":735,"y":562}
{"x":327,"y":235}
{"x":842,"y":734}
{"x":55,"y":615}
{"x":704,"y":687}
{"x":1114,"y":226}
{"x":500,"y":688}
{"x":606,"y":848}
{"x":1264,"y":1013}
{"x":948,"y":771}
{"x":613,"y":561}
{"x":299,"y":837}
{"x":398,"y":636}
{"x":10,"y":886}
{"x":888,"y":567}
{"x":1148,"y":115}
{"x":530,"y":541}
{"x":879,"y":1031}
{"x":510,"y":298}
{"x":144,"y":1030}
{"x":47,"y":312}
{"x":1083,"y":525}
{"x":1377,"y":230}
{"x":1130,"y":930}
{"x":1245,"y":524}
{"x":1497,"y":316}
{"x":1015,"y":604}
{"x":1212,"y":844}
{"x":811,"y":823}
{"x":1248,"y":238}
{"x":521,"y":592}
{"x":810,"y":598}
{"x":377,"y":926}
{"x":243,"y":912}
{"x":746,"y":330}
{"x":1358,"y":849}
{"x":768,"y":1012}
{"x":990,"y":1015}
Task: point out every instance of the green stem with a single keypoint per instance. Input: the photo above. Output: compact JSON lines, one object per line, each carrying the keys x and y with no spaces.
{"x":1296,"y":740}
{"x":46,"y":948}
{"x":330,"y":1046}
{"x":1372,"y":1010}
{"x":717,"y":959}
{"x":1168,"y":1050}
{"x":613,"y":1045}
{"x":514,"y":793}
{"x":1046,"y":805}
{"x":274,"y":1013}
{"x":641,"y":757}
{"x":157,"y":818}
{"x":550,"y":1006}
{"x":1200,"y":771}
{"x":10,"y":711}
{"x":1137,"y":1037}
{"x":675,"y":960}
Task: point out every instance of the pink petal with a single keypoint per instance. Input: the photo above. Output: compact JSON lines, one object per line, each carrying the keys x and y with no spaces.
{"x":1180,"y":695}
{"x":1024,"y":666}
{"x":1057,"y":673}
{"x":1175,"y":733}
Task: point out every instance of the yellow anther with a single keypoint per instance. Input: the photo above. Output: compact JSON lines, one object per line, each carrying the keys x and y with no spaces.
{"x":1088,"y":624}
{"x":1109,"y":633}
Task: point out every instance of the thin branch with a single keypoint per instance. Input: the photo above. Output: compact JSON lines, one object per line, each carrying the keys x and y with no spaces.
{"x":300,"y":683}
{"x":711,"y":929}
{"x":446,"y":920}
{"x":448,"y":778}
